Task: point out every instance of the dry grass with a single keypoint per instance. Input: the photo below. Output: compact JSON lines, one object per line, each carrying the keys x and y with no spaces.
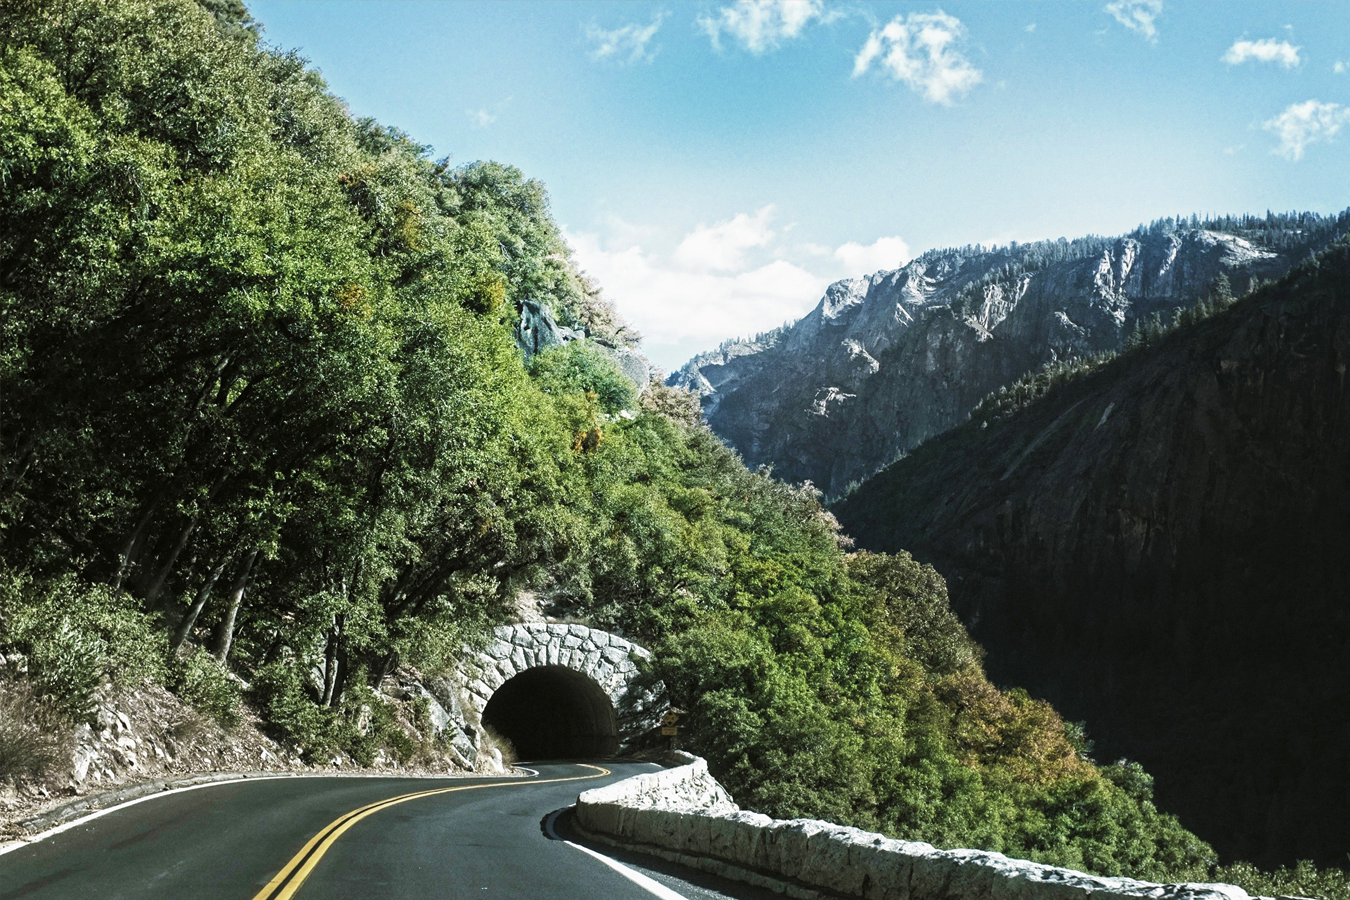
{"x":34,"y":739}
{"x":493,"y":740}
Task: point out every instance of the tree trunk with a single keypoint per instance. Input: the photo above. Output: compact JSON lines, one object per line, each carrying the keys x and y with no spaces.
{"x":330,"y":664}
{"x":340,"y":670}
{"x":157,"y":583}
{"x":225,"y":628}
{"x":129,"y":550}
{"x":190,"y":617}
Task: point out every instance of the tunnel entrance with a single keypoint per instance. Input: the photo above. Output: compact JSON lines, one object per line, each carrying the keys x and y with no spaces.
{"x":552,"y":712}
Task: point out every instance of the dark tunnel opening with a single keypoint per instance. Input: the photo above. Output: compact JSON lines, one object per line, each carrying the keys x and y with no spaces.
{"x":552,"y":712}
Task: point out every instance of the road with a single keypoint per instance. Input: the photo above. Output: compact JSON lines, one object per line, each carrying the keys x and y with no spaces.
{"x":335,"y":838}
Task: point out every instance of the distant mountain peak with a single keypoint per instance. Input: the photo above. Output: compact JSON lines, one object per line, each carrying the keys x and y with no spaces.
{"x":886,"y":360}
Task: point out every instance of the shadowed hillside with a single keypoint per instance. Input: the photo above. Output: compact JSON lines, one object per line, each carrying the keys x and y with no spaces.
{"x":1158,"y":546}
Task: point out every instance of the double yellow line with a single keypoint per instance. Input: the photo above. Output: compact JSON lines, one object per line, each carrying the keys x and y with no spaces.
{"x":294,"y":873}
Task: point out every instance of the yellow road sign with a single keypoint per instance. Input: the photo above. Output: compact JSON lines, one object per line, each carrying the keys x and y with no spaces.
{"x":668,"y":731}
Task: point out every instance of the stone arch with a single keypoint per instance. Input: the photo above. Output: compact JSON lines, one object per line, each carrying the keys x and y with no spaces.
{"x":561,"y":689}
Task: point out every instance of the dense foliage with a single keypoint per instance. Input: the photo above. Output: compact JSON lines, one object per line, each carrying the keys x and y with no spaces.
{"x":263,"y":399}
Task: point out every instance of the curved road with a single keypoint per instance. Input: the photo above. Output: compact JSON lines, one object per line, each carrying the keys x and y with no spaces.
{"x":338,"y":838}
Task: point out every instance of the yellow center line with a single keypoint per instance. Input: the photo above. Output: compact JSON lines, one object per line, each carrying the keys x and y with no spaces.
{"x":294,"y":873}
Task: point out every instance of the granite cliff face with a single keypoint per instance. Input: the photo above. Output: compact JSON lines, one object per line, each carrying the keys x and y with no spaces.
{"x":886,"y":361}
{"x":1160,"y":547}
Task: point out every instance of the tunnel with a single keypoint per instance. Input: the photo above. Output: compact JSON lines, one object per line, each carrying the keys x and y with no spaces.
{"x":552,"y":712}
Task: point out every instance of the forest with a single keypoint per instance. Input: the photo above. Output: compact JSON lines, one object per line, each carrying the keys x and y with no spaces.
{"x":264,"y":413}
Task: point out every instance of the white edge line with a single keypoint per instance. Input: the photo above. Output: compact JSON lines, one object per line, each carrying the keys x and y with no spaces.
{"x":649,"y":885}
{"x":52,"y":832}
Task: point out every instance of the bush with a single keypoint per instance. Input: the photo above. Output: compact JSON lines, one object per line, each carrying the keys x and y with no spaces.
{"x":360,"y":728}
{"x":579,"y":367}
{"x":65,"y":665}
{"x":74,"y":634}
{"x":1303,"y":880}
{"x":283,"y":703}
{"x":206,"y":686}
{"x":34,"y":737}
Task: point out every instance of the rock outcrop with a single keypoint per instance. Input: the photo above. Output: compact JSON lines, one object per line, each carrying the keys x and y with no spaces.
{"x":536,"y":330}
{"x":886,"y":361}
{"x":1159,"y":548}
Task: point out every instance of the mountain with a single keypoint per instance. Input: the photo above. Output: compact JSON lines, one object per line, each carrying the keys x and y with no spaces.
{"x":886,"y":361}
{"x":1158,"y":545}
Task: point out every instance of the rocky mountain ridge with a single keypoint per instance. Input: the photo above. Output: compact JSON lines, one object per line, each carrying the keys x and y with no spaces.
{"x":886,"y":361}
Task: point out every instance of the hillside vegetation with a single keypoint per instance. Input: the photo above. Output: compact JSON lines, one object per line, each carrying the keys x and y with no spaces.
{"x":262,"y":400}
{"x":1154,"y":540}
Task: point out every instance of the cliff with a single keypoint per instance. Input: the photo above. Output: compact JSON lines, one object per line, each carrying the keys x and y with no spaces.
{"x":887,"y":361}
{"x":1159,"y":547}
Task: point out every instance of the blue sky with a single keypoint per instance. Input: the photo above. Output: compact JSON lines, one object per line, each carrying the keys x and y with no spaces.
{"x":716,"y":164}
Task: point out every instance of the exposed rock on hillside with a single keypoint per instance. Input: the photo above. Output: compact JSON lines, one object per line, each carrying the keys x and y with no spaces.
{"x":886,"y":361}
{"x":536,"y":330}
{"x":1159,"y":547}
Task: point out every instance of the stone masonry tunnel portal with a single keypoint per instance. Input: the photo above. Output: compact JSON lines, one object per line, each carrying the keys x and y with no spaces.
{"x":556,"y":690}
{"x":553,"y":712}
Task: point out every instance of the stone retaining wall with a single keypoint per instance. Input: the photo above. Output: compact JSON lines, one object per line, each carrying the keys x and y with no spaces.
{"x":684,"y":814}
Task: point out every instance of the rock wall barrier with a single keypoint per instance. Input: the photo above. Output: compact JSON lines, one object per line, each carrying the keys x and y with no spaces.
{"x":683,"y":814}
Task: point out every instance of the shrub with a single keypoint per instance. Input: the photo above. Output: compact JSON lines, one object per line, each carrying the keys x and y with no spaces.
{"x":75,"y":633}
{"x":579,"y":367}
{"x":360,"y":728}
{"x":65,"y":665}
{"x":282,"y":702}
{"x":1302,"y":880}
{"x":206,"y":686}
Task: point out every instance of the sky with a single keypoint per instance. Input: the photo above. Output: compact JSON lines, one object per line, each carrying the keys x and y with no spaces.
{"x":715,"y":165}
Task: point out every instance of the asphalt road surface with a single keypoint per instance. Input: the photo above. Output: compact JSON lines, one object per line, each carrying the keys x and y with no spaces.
{"x":333,"y":838}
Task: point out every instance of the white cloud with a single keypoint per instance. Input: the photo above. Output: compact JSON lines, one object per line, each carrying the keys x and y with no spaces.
{"x":626,"y":44}
{"x":1030,"y":28}
{"x":762,"y":25}
{"x":923,"y":50}
{"x":1265,"y":50}
{"x":1137,"y":15}
{"x":1341,"y":67}
{"x":484,"y":117}
{"x":722,"y":247}
{"x":1306,"y":123}
{"x":680,"y":311}
{"x":883,"y":253}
